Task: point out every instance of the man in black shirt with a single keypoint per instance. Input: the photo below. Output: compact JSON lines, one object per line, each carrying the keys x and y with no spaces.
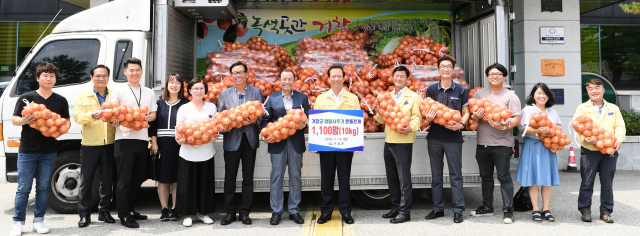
{"x":447,"y":140}
{"x":37,"y":152}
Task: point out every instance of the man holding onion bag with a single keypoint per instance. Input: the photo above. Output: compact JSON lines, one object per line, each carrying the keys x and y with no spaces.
{"x":447,"y":139}
{"x":398,"y":147}
{"x":607,"y":116}
{"x":288,"y":151}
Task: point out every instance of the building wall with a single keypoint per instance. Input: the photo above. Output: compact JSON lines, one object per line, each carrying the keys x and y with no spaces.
{"x":35,"y":10}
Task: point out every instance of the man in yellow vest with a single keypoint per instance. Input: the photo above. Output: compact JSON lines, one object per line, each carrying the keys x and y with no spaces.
{"x":398,"y":148}
{"x":97,"y":147}
{"x":607,"y":116}
{"x":337,"y":98}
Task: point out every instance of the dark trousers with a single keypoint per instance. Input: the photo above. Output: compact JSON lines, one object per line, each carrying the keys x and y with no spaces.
{"x":437,"y":150}
{"x":329,"y":162}
{"x":232,"y":159}
{"x":92,"y":157}
{"x":590,"y":163}
{"x":500,"y":157}
{"x":397,"y":163}
{"x":131,"y":160}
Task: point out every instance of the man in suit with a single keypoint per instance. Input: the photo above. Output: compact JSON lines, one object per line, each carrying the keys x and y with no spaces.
{"x":239,"y":145}
{"x":336,"y":98}
{"x":398,"y":148}
{"x":288,"y":151}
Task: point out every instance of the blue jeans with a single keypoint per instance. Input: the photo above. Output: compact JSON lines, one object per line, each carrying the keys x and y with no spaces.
{"x":279,"y":163}
{"x":39,"y":166}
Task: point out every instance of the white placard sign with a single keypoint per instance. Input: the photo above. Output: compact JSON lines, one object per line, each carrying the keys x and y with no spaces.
{"x":549,"y":35}
{"x":336,"y":130}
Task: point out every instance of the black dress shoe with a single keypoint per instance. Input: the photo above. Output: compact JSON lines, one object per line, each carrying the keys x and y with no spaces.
{"x":246,"y":220}
{"x":129,"y":223}
{"x":297,"y":218}
{"x":324,"y":218}
{"x":348,"y":219}
{"x":391,"y":214}
{"x":457,"y":218}
{"x":434,"y":214}
{"x":84,"y":220}
{"x":164,"y":214}
{"x":401,"y":218}
{"x":106,"y":217}
{"x":228,"y":218}
{"x":275,"y":219}
{"x":173,"y":215}
{"x":138,"y":216}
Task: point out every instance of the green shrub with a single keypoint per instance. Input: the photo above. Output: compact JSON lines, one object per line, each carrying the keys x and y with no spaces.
{"x":632,"y":122}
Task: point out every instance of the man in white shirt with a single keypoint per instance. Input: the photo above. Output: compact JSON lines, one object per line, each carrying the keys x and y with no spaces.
{"x":131,"y":147}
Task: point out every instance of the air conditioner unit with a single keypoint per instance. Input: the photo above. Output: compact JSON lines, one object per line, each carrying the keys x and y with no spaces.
{"x":206,"y":9}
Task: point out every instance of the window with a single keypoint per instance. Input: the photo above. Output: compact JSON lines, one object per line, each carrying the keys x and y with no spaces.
{"x":8,"y":37}
{"x":589,"y":47}
{"x":123,"y":52}
{"x":74,"y":59}
{"x":28,"y":34}
{"x":620,"y":56}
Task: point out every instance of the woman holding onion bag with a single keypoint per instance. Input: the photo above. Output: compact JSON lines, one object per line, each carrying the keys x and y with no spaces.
{"x":196,"y":185}
{"x":538,"y":165}
{"x":164,"y":145}
{"x":287,"y":152}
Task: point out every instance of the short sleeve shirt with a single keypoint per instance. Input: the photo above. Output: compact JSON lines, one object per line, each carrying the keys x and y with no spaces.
{"x":188,"y":114}
{"x":487,"y":135}
{"x":134,"y":97}
{"x":455,"y":97}
{"x":31,"y":140}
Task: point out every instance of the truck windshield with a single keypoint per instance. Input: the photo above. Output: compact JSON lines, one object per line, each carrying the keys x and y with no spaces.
{"x":74,"y":59}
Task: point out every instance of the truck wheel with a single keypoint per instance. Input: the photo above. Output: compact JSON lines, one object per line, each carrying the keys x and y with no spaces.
{"x":376,"y":199}
{"x":65,"y":184}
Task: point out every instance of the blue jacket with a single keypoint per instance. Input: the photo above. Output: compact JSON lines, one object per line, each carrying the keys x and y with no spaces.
{"x":229,"y":99}
{"x":275,"y":108}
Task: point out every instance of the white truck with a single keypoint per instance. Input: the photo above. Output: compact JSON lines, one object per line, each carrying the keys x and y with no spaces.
{"x":161,"y":33}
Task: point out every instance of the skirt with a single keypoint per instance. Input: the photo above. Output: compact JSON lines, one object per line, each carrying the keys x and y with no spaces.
{"x":196,"y":187}
{"x":538,"y":165}
{"x":165,"y":170}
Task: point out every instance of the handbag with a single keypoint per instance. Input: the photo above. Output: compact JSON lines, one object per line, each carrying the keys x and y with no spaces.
{"x":522,"y":201}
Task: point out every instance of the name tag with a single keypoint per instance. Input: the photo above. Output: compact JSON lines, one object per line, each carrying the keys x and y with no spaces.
{"x":610,"y":113}
{"x":454,"y":98}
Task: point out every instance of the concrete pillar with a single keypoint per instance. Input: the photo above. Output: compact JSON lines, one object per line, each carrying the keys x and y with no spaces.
{"x":95,"y":3}
{"x":528,"y":53}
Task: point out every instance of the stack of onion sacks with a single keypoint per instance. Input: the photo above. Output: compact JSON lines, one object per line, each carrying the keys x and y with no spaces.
{"x":129,"y":117}
{"x":197,"y":134}
{"x":49,"y":123}
{"x":605,"y":139}
{"x":492,"y":111}
{"x":391,"y":113}
{"x":234,"y":117}
{"x":444,"y":116}
{"x":556,"y":139}
{"x":285,"y":126}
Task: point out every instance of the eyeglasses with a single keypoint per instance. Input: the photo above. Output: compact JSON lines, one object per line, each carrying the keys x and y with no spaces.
{"x":197,"y":89}
{"x":446,"y":67}
{"x":101,"y":77}
{"x":495,"y":74}
{"x":238,"y":73}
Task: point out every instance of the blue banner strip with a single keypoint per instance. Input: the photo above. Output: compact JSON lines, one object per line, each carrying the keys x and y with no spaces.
{"x":356,"y":113}
{"x":320,"y":148}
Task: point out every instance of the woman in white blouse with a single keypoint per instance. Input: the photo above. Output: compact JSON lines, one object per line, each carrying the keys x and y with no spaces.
{"x":196,"y":185}
{"x":538,"y":165}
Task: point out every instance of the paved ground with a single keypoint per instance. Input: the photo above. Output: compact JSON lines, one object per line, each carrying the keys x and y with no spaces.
{"x":368,"y":222}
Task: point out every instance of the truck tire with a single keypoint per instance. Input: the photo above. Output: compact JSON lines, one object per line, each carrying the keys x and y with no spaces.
{"x":65,"y":184}
{"x":375,"y":199}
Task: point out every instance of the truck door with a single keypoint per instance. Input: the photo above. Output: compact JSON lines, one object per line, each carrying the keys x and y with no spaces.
{"x":74,"y":55}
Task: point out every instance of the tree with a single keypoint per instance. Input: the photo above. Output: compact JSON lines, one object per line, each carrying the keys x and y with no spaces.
{"x":631,"y":8}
